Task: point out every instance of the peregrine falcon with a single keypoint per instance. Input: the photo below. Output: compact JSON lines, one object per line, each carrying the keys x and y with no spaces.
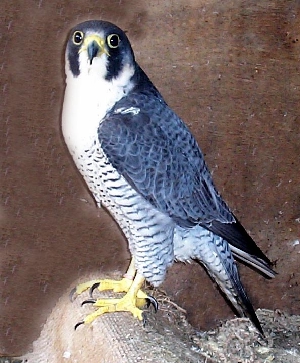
{"x":141,"y":162}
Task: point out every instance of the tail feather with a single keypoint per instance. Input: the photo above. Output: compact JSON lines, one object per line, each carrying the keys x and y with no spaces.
{"x":253,"y":261}
{"x":221,"y":266}
{"x":242,"y":245}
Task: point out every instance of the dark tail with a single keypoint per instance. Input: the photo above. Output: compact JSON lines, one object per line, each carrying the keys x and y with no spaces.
{"x":242,"y":245}
{"x":219,"y":262}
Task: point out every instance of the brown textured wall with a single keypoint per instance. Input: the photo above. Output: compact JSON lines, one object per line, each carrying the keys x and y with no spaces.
{"x":230,"y":70}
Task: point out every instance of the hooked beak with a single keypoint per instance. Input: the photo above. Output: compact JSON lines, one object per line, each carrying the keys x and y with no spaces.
{"x":92,"y":50}
{"x":95,"y":46}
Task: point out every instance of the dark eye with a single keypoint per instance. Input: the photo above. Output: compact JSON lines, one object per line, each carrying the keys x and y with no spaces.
{"x":113,"y":40}
{"x":77,"y":37}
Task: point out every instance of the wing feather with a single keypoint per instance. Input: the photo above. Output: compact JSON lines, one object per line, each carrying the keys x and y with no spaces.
{"x":158,"y":156}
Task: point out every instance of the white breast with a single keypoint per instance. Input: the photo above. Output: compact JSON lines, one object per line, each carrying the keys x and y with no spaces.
{"x":85,"y":105}
{"x":87,"y":100}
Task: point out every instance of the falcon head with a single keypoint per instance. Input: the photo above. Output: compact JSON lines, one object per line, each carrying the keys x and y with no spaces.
{"x":100,"y":70}
{"x":99,"y":49}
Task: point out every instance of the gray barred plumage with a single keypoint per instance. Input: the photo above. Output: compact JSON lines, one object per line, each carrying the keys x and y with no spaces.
{"x":149,"y":232}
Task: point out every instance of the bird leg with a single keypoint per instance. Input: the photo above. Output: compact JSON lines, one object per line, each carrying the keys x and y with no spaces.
{"x":117,"y":285}
{"x":122,"y":285}
{"x":132,"y":301}
{"x":129,"y":302}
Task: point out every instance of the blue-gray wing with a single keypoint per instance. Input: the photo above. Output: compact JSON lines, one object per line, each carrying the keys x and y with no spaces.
{"x":158,"y":156}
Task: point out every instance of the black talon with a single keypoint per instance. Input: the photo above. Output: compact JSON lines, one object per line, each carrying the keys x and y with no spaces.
{"x":77,"y":325}
{"x":73,"y":294}
{"x":152,"y":301}
{"x":144,"y":319}
{"x":88,"y":301}
{"x":95,"y":286}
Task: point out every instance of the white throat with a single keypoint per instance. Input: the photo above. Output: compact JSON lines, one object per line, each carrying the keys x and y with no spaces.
{"x":87,"y":100}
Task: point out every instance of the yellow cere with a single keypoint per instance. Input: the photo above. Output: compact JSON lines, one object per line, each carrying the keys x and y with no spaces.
{"x":100,"y":41}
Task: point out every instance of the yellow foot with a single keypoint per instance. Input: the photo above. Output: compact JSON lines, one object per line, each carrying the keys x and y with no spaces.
{"x":133,"y":300}
{"x":126,"y":303}
{"x":102,"y":285}
{"x":107,"y":284}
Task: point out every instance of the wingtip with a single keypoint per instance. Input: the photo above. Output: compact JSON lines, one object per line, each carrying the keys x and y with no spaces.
{"x":255,"y":262}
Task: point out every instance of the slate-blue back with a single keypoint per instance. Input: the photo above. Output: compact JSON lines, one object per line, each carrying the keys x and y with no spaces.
{"x":158,"y":156}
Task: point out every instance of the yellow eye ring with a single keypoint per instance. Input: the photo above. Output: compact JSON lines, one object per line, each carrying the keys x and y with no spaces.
{"x":78,"y":37}
{"x":113,"y":40}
